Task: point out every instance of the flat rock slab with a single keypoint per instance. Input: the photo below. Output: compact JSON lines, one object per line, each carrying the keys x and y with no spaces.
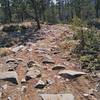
{"x":9,"y":76}
{"x":70,"y":73}
{"x":58,"y":67}
{"x":57,"y":96}
{"x":47,"y":59}
{"x":10,"y":61}
{"x":43,"y":50}
{"x":17,"y":48}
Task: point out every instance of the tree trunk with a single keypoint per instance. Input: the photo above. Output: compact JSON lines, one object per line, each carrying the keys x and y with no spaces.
{"x":43,"y":10}
{"x":9,"y":12}
{"x":34,"y":3}
{"x":97,"y":8}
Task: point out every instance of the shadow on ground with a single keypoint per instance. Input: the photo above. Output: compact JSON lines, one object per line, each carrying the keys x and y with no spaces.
{"x":11,"y":35}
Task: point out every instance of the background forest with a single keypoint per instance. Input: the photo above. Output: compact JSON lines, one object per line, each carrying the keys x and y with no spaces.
{"x":51,"y":11}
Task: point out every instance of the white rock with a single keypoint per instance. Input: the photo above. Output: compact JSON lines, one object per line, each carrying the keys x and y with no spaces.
{"x":9,"y":98}
{"x":57,"y":96}
{"x":43,"y":50}
{"x":5,"y":86}
{"x":50,"y":81}
{"x":23,"y":80}
{"x":24,"y":88}
{"x":0,"y":94}
{"x":17,"y":48}
{"x":86,"y":95}
{"x":98,"y":86}
{"x":40,"y":84}
{"x":56,"y":76}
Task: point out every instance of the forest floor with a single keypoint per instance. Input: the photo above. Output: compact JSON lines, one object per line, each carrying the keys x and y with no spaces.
{"x":53,"y":48}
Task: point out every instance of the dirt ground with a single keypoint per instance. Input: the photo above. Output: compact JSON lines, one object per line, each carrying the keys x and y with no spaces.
{"x":53,"y":43}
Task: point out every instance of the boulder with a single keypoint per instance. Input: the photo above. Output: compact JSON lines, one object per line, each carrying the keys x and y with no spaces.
{"x":9,"y":76}
{"x":70,"y":73}
{"x":58,"y":67}
{"x":12,"y":67}
{"x":57,"y":96}
{"x":33,"y":73}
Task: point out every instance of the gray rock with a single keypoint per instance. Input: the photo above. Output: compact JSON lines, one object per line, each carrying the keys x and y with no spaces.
{"x":58,"y":67}
{"x":40,"y":84}
{"x":42,"y":50}
{"x":9,"y":76}
{"x":17,"y":48}
{"x":91,"y":91}
{"x":33,"y":73}
{"x":50,"y":82}
{"x":57,"y":96}
{"x":98,"y":86}
{"x":55,"y":50}
{"x":10,"y":61}
{"x":23,"y":89}
{"x":30,"y":64}
{"x":70,"y":73}
{"x":19,"y":60}
{"x":48,"y":60}
{"x":10,"y":69}
{"x":5,"y":86}
{"x":11,"y":66}
{"x":13,"y":63}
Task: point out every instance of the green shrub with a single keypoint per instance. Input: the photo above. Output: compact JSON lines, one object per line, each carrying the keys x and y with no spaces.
{"x":77,"y":22}
{"x":89,"y":48}
{"x":11,"y":28}
{"x":86,"y":58}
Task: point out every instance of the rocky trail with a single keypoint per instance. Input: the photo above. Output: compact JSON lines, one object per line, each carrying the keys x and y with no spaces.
{"x":44,"y":67}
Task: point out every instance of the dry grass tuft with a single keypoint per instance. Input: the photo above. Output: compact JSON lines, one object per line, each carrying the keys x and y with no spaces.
{"x":5,"y":51}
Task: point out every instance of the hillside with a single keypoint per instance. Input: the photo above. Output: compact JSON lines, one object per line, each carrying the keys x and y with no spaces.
{"x":44,"y":64}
